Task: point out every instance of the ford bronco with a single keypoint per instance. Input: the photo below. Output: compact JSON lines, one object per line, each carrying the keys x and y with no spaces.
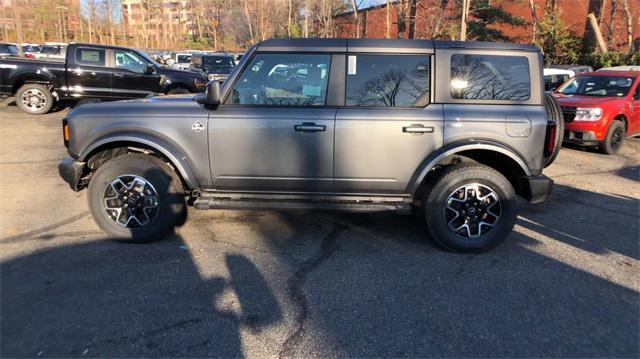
{"x":455,"y":131}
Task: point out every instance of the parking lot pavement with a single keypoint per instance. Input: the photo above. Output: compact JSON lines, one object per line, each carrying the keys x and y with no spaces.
{"x":315,"y":284}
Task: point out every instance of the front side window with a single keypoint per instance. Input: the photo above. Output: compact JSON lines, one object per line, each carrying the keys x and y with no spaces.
{"x":387,"y":80}
{"x":90,"y":57}
{"x":129,"y":61}
{"x":595,"y":85}
{"x":490,"y":77}
{"x":283,"y":80}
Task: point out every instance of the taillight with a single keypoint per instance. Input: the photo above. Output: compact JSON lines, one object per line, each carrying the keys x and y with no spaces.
{"x":65,"y":132}
{"x":552,"y":139}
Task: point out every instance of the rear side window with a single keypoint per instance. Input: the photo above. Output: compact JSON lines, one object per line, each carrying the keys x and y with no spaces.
{"x":387,"y":80}
{"x":90,"y":57}
{"x":490,"y":77}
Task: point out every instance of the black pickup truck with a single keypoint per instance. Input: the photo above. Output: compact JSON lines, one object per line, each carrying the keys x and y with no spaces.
{"x":90,"y":72}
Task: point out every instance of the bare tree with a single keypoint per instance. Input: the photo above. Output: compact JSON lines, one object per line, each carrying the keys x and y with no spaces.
{"x":436,"y":26}
{"x":534,"y":20}
{"x":612,"y":20}
{"x":465,"y":14}
{"x":628,"y":18}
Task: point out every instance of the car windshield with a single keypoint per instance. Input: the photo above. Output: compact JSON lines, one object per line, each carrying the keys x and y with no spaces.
{"x":600,"y":86}
{"x":221,"y":64}
{"x":51,"y":50}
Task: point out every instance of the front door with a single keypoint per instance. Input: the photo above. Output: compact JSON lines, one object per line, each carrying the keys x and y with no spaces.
{"x":129,"y":79}
{"x":274,"y":133}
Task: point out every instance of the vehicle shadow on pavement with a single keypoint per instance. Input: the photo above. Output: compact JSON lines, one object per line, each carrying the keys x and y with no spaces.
{"x":587,"y":220}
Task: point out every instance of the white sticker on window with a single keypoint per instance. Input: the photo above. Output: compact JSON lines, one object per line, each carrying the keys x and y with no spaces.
{"x":352,"y":65}
{"x":311,"y":90}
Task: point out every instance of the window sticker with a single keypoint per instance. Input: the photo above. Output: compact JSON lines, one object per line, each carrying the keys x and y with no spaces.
{"x":352,"y":65}
{"x":90,"y":56}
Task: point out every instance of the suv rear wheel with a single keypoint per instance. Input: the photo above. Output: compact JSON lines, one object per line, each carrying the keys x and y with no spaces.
{"x":470,"y":208}
{"x":34,"y":99}
{"x":614,"y":139}
{"x":136,"y":198}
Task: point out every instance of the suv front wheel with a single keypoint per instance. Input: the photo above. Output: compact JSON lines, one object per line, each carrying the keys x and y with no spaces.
{"x":136,"y":198}
{"x":470,"y":208}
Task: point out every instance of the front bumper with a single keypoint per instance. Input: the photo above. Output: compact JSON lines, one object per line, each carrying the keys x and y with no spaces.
{"x":584,"y":138}
{"x":71,"y":172}
{"x":540,"y":188}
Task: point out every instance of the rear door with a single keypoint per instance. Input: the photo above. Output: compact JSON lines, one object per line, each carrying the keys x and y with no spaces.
{"x":274,"y":132}
{"x":87,"y":74}
{"x":634,"y":123}
{"x":388,"y":125}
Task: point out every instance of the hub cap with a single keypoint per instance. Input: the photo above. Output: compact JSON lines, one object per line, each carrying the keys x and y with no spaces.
{"x":33,"y":100}
{"x":131,"y":201}
{"x":472,"y":210}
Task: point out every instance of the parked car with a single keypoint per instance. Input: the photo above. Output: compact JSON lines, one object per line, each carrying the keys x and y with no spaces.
{"x":374,"y":125}
{"x":577,"y":69}
{"x":553,"y":78}
{"x":7,"y":49}
{"x":214,"y":66}
{"x":52,"y":51}
{"x":182,"y":61}
{"x":621,"y":68}
{"x":91,"y":71}
{"x":601,"y":108}
{"x":31,"y":50}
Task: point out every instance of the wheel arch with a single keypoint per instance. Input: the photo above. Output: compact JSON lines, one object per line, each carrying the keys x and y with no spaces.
{"x":147,"y":145}
{"x":494,"y":155}
{"x":623,"y":118}
{"x":175,"y":85}
{"x":20,"y":80}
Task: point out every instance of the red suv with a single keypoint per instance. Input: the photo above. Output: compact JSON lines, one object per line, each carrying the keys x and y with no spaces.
{"x":601,"y":108}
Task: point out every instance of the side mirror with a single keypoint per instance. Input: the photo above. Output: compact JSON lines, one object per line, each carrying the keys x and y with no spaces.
{"x":213,"y":93}
{"x":211,"y":97}
{"x":149,"y":69}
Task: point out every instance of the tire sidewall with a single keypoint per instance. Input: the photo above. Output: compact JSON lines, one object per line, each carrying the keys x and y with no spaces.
{"x":44,"y":90}
{"x":606,"y":144}
{"x":170,"y":200}
{"x":178,"y":91}
{"x":437,"y":197}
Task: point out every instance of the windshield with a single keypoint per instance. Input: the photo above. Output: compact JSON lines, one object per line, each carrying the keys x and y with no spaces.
{"x":220,"y":64}
{"x":600,"y":86}
{"x":51,"y":50}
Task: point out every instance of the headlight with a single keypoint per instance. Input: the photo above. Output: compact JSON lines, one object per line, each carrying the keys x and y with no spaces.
{"x":588,"y":114}
{"x":200,"y":83}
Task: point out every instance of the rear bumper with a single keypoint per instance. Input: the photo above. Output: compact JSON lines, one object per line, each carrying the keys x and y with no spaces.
{"x":71,"y":172}
{"x":540,"y":188}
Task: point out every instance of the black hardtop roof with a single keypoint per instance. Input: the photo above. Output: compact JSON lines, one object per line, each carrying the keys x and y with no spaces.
{"x":381,"y":45}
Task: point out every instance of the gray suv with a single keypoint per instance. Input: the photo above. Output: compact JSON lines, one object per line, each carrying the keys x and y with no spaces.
{"x":454,"y":130}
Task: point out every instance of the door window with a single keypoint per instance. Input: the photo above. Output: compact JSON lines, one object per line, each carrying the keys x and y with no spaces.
{"x":129,"y":61}
{"x":388,"y":80}
{"x":89,"y":57}
{"x":490,"y":77}
{"x":283,"y":80}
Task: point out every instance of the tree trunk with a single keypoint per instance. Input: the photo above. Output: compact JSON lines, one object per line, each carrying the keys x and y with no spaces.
{"x":612,"y":20}
{"x":465,"y":15}
{"x":289,"y":18}
{"x":246,"y":13}
{"x":388,"y":19}
{"x":18,"y":20}
{"x":306,"y":18}
{"x":412,"y":18}
{"x":534,"y":21}
{"x":436,"y":26}
{"x":628,"y":18}
{"x":355,"y":18}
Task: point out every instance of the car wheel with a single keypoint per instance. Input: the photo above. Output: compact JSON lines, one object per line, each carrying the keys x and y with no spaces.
{"x":178,"y":91}
{"x":614,"y":139}
{"x":34,"y":99}
{"x":470,"y":208}
{"x":136,"y":198}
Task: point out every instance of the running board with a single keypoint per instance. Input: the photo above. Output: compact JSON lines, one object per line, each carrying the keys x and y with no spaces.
{"x":211,"y":203}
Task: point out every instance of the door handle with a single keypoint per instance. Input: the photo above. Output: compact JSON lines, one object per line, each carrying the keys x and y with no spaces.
{"x":309,"y":127}
{"x":118,"y":74}
{"x":417,"y":129}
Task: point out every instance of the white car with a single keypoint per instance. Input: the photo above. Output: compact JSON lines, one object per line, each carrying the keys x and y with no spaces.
{"x":553,"y":78}
{"x":182,"y":61}
{"x":621,"y":68}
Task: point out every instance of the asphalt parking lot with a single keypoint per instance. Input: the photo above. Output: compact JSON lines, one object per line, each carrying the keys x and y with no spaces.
{"x":315,"y":284}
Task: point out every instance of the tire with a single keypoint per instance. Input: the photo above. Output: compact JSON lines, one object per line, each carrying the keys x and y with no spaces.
{"x":458,"y":179}
{"x":554,"y":113}
{"x":34,"y":99}
{"x":614,"y":139}
{"x":178,"y":91}
{"x":150,"y":223}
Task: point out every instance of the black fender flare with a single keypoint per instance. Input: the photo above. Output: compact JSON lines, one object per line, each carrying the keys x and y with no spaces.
{"x":457,"y":147}
{"x":178,"y":160}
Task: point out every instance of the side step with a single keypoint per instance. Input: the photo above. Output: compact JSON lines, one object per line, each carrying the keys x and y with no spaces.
{"x":210,"y":203}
